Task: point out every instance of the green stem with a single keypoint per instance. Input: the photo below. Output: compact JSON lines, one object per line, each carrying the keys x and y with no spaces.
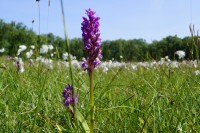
{"x":70,"y":65}
{"x":39,"y":17}
{"x":91,"y":76}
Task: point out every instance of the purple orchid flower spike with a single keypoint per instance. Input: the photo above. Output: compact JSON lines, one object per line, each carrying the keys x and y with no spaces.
{"x":68,"y":96}
{"x":92,"y":40}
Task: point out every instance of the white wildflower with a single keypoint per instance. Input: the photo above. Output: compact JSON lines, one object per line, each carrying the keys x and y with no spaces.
{"x":105,"y":69}
{"x":21,"y":49}
{"x":32,"y":47}
{"x":19,"y":64}
{"x":29,"y":54}
{"x":174,"y":64}
{"x":65,"y":56}
{"x":50,"y":47}
{"x":167,"y":59}
{"x":197,"y":72}
{"x":161,"y":61}
{"x":2,"y":50}
{"x":134,"y":67}
{"x":104,"y":66}
{"x":47,"y":62}
{"x":44,"y":49}
{"x":195,"y":63}
{"x":76,"y":63}
{"x":180,"y":53}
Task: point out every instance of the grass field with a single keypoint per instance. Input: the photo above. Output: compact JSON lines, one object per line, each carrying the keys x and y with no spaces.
{"x":148,"y":99}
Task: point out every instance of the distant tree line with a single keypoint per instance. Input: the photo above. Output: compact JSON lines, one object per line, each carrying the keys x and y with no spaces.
{"x":13,"y":34}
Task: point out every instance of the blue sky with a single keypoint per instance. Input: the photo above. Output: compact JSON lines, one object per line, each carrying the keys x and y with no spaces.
{"x":120,"y":19}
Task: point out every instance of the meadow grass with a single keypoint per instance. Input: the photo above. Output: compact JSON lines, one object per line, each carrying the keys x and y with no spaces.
{"x":145,"y":100}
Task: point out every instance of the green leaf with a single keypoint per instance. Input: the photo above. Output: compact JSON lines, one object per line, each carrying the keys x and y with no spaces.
{"x":60,"y":128}
{"x":83,"y":121}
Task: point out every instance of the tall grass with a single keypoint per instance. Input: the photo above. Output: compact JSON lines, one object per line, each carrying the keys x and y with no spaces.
{"x":70,"y":67}
{"x":145,"y":100}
